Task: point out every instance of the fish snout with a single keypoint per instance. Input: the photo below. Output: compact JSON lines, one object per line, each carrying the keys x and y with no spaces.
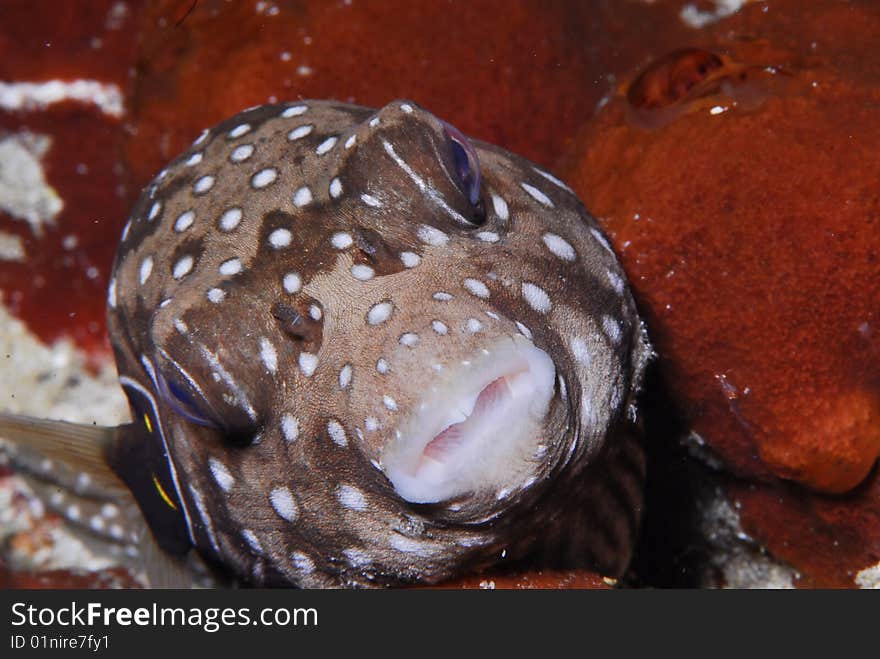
{"x":477,"y":428}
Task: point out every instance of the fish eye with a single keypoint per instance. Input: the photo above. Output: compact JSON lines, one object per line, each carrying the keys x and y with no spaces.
{"x":183,"y":400}
{"x":467,"y":170}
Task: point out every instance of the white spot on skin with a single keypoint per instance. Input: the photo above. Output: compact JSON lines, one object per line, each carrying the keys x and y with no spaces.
{"x":241,"y":153}
{"x":345,"y":376}
{"x":559,"y":247}
{"x":371,"y":423}
{"x":202,"y":137}
{"x":221,"y":474}
{"x":216,"y":295}
{"x":194,"y":160}
{"x":264,"y":177}
{"x":602,"y":240}
{"x":410,"y":339}
{"x":335,"y":188}
{"x":350,"y":141}
{"x":362,"y":272}
{"x":432,"y":236}
{"x":269,"y":355}
{"x":356,"y":558}
{"x":111,"y":293}
{"x":307,"y":363}
{"x":525,"y":331}
{"x":341,"y":240}
{"x":181,"y":326}
{"x":473,"y":325}
{"x":476,"y":287}
{"x":410,"y":259}
{"x":96,"y":523}
{"x":537,"y":195}
{"x":183,"y":267}
{"x":580,"y":350}
{"x":325,"y":146}
{"x":492,"y":315}
{"x":109,"y":510}
{"x":315,"y":312}
{"x":299,"y":132}
{"x":351,"y":497}
{"x":500,"y":207}
{"x":284,"y":504}
{"x":302,"y":197}
{"x":374,"y":122}
{"x":536,"y":297}
{"x":406,"y":107}
{"x":382,"y":366}
{"x":230,"y":219}
{"x":251,"y":538}
{"x":280,"y":238}
{"x":294,"y":111}
{"x":442,"y":296}
{"x":155,"y":209}
{"x":203,"y":184}
{"x":302,"y":563}
{"x":616,"y":281}
{"x":146,"y":270}
{"x":184,"y":221}
{"x":337,"y":433}
{"x":439,"y":327}
{"x":371,"y":201}
{"x":612,"y":329}
{"x":230,"y":267}
{"x":389,"y":403}
{"x":289,"y":427}
{"x":379,"y":313}
{"x":292,"y":283}
{"x":586,"y":413}
{"x":410,"y":546}
{"x":555,"y":181}
{"x":239,"y":130}
{"x":488,"y":236}
{"x":73,"y":513}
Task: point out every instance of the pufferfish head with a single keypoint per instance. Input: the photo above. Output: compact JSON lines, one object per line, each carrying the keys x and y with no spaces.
{"x":377,"y":347}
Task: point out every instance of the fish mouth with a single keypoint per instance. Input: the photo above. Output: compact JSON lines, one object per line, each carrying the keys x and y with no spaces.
{"x":479,"y":430}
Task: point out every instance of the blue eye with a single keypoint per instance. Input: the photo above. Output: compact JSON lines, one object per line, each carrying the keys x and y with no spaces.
{"x":467,"y":167}
{"x":184,"y":401}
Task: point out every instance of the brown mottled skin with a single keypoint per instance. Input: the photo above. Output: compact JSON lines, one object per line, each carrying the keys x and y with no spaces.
{"x":583,"y":504}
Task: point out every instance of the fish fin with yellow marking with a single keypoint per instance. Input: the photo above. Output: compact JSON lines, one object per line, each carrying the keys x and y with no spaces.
{"x":67,"y":466}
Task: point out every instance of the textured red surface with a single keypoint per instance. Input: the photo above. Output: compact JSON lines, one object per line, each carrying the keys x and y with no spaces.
{"x":61,"y":290}
{"x":828,"y":539}
{"x":67,"y":579}
{"x":537,"y":579}
{"x":524,"y":75}
{"x":751,"y":234}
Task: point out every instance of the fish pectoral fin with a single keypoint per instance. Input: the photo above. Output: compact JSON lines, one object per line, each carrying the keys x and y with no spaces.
{"x":67,"y":467}
{"x":71,"y":455}
{"x":161,"y":569}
